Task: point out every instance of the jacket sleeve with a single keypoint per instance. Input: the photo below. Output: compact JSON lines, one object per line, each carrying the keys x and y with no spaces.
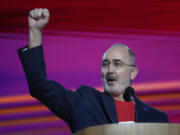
{"x":58,"y":99}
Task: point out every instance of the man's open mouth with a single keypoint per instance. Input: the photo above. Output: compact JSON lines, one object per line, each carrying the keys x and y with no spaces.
{"x":110,"y":80}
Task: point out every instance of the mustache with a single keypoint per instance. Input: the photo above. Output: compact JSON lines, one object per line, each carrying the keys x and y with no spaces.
{"x":111,"y":77}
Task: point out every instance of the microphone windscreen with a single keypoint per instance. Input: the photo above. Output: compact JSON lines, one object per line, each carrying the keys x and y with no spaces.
{"x":128,"y":94}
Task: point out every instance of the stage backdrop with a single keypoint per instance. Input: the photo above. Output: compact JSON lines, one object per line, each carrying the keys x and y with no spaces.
{"x":74,"y":41}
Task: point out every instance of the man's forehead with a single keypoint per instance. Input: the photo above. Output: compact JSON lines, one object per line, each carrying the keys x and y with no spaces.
{"x":116,"y":52}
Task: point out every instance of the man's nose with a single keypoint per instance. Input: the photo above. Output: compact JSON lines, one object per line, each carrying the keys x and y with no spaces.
{"x":110,"y":68}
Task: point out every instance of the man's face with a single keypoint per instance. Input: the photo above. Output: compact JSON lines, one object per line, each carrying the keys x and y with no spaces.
{"x":116,"y":76}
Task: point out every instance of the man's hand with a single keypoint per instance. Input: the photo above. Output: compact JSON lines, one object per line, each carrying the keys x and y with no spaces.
{"x":37,"y":19}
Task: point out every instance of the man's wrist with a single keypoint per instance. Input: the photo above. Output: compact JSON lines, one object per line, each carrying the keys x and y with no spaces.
{"x":35,"y":38}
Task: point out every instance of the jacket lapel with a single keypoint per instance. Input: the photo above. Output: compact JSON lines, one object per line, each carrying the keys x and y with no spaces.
{"x":109,"y":107}
{"x":141,"y":110}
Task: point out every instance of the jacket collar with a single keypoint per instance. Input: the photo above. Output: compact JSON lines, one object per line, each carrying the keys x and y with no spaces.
{"x":109,"y":107}
{"x":141,"y":110}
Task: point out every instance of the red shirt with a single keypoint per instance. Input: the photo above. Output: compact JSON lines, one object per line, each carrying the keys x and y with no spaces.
{"x":125,"y":111}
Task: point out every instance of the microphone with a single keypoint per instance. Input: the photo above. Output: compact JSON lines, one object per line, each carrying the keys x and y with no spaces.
{"x":128,"y":94}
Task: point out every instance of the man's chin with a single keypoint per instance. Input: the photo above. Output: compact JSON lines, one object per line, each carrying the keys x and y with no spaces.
{"x":111,"y":91}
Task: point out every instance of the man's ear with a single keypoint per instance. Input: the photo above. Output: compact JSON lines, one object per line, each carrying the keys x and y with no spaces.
{"x":134,"y":73}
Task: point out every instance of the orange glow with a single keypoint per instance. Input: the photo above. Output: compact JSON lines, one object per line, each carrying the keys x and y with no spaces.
{"x":153,"y":86}
{"x":19,"y":98}
{"x":29,"y":121}
{"x":157,"y":86}
{"x":23,"y":109}
{"x":54,"y":118}
{"x":163,"y":96}
{"x":41,"y":108}
{"x":168,"y":107}
{"x":138,"y":87}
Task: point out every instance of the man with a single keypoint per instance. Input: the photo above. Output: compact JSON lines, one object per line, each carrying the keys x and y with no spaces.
{"x":87,"y":106}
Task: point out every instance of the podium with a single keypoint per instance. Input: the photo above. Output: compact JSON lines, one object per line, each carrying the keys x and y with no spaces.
{"x":132,"y":129}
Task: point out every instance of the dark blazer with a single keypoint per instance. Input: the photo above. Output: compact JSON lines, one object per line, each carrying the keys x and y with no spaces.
{"x":83,"y":108}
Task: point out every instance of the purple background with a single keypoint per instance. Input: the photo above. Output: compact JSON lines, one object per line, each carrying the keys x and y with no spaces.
{"x":73,"y":58}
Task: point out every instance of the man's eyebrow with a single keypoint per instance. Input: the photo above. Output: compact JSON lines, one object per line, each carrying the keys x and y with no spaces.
{"x":105,"y":60}
{"x":117,"y":60}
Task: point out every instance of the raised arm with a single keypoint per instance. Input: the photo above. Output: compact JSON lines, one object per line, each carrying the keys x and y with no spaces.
{"x":37,"y":20}
{"x":57,"y":98}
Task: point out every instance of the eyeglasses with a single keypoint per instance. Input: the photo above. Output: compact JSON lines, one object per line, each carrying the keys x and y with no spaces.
{"x":128,"y":64}
{"x":116,"y":62}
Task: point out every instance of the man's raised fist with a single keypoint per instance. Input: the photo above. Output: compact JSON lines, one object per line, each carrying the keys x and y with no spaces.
{"x":38,"y":18}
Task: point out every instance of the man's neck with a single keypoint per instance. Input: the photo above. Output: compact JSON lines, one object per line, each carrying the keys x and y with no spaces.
{"x":119,"y":98}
